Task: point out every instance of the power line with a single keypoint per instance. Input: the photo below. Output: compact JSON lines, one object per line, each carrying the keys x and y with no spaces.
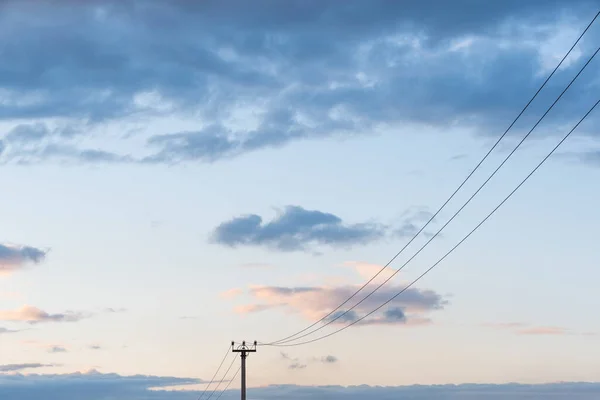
{"x":289,"y":338}
{"x":330,"y":321}
{"x":215,"y":375}
{"x":229,"y":383}
{"x":223,"y":378}
{"x":460,"y":242}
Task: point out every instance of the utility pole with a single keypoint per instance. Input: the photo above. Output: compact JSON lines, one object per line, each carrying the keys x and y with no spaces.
{"x":243,"y":350}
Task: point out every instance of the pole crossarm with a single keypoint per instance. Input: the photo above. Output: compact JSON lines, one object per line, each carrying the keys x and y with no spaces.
{"x":244,"y":348}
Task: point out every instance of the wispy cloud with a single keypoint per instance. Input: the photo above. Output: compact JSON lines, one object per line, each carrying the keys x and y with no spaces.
{"x":543,"y":330}
{"x":57,"y":349}
{"x":21,"y":367}
{"x":297,"y":363}
{"x":35,"y":315}
{"x":329,"y":359}
{"x":520,"y":328}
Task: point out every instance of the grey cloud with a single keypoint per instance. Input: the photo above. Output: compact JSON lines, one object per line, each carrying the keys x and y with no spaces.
{"x":96,"y":386}
{"x":329,"y":359}
{"x":413,"y":220}
{"x":92,"y":62}
{"x":395,"y":314}
{"x":20,"y":367}
{"x":216,"y":142}
{"x":297,"y":365}
{"x":558,"y":391}
{"x":57,"y":349}
{"x":206,"y":145}
{"x":95,"y":347}
{"x":295,"y":229}
{"x":70,"y":154}
{"x":294,"y":363}
{"x":15,"y":257}
{"x":25,"y":133}
{"x":6,"y":330}
{"x":391,"y":316}
{"x":115,"y":310}
{"x":343,"y":316}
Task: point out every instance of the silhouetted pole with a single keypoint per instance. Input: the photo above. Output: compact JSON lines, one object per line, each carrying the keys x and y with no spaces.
{"x":243,"y":350}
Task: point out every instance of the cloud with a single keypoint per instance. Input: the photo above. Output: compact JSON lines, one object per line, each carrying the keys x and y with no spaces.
{"x":282,"y":73}
{"x":559,"y":391}
{"x":296,"y":363}
{"x":413,"y":220}
{"x":91,"y":385}
{"x":115,"y":310}
{"x":34,"y":315}
{"x":20,"y":367}
{"x":314,"y":302}
{"x":94,"y":385}
{"x":95,"y":347}
{"x":27,"y":133}
{"x":69,"y":154}
{"x":298,"y":229}
{"x":57,"y":349}
{"x":505,"y":325}
{"x":231,"y":293}
{"x":16,"y":257}
{"x":6,"y":330}
{"x":543,"y":330}
{"x":329,"y":359}
{"x":527,"y":329}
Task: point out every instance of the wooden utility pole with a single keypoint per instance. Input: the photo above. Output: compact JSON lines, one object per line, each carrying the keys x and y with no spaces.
{"x":243,"y":350}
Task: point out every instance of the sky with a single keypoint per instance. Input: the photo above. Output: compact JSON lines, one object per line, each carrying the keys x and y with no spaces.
{"x":179,"y":175}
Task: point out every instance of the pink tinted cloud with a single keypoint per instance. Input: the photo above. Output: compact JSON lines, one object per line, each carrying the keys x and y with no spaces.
{"x":252,"y":308}
{"x":314,"y":302}
{"x":34,"y":315}
{"x":519,"y":328}
{"x":543,"y":330}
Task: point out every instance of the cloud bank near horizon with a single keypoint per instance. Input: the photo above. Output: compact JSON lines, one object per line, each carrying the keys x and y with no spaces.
{"x":94,"y":385}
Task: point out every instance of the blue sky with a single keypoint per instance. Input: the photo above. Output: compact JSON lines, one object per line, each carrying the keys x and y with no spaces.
{"x":177,"y":175}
